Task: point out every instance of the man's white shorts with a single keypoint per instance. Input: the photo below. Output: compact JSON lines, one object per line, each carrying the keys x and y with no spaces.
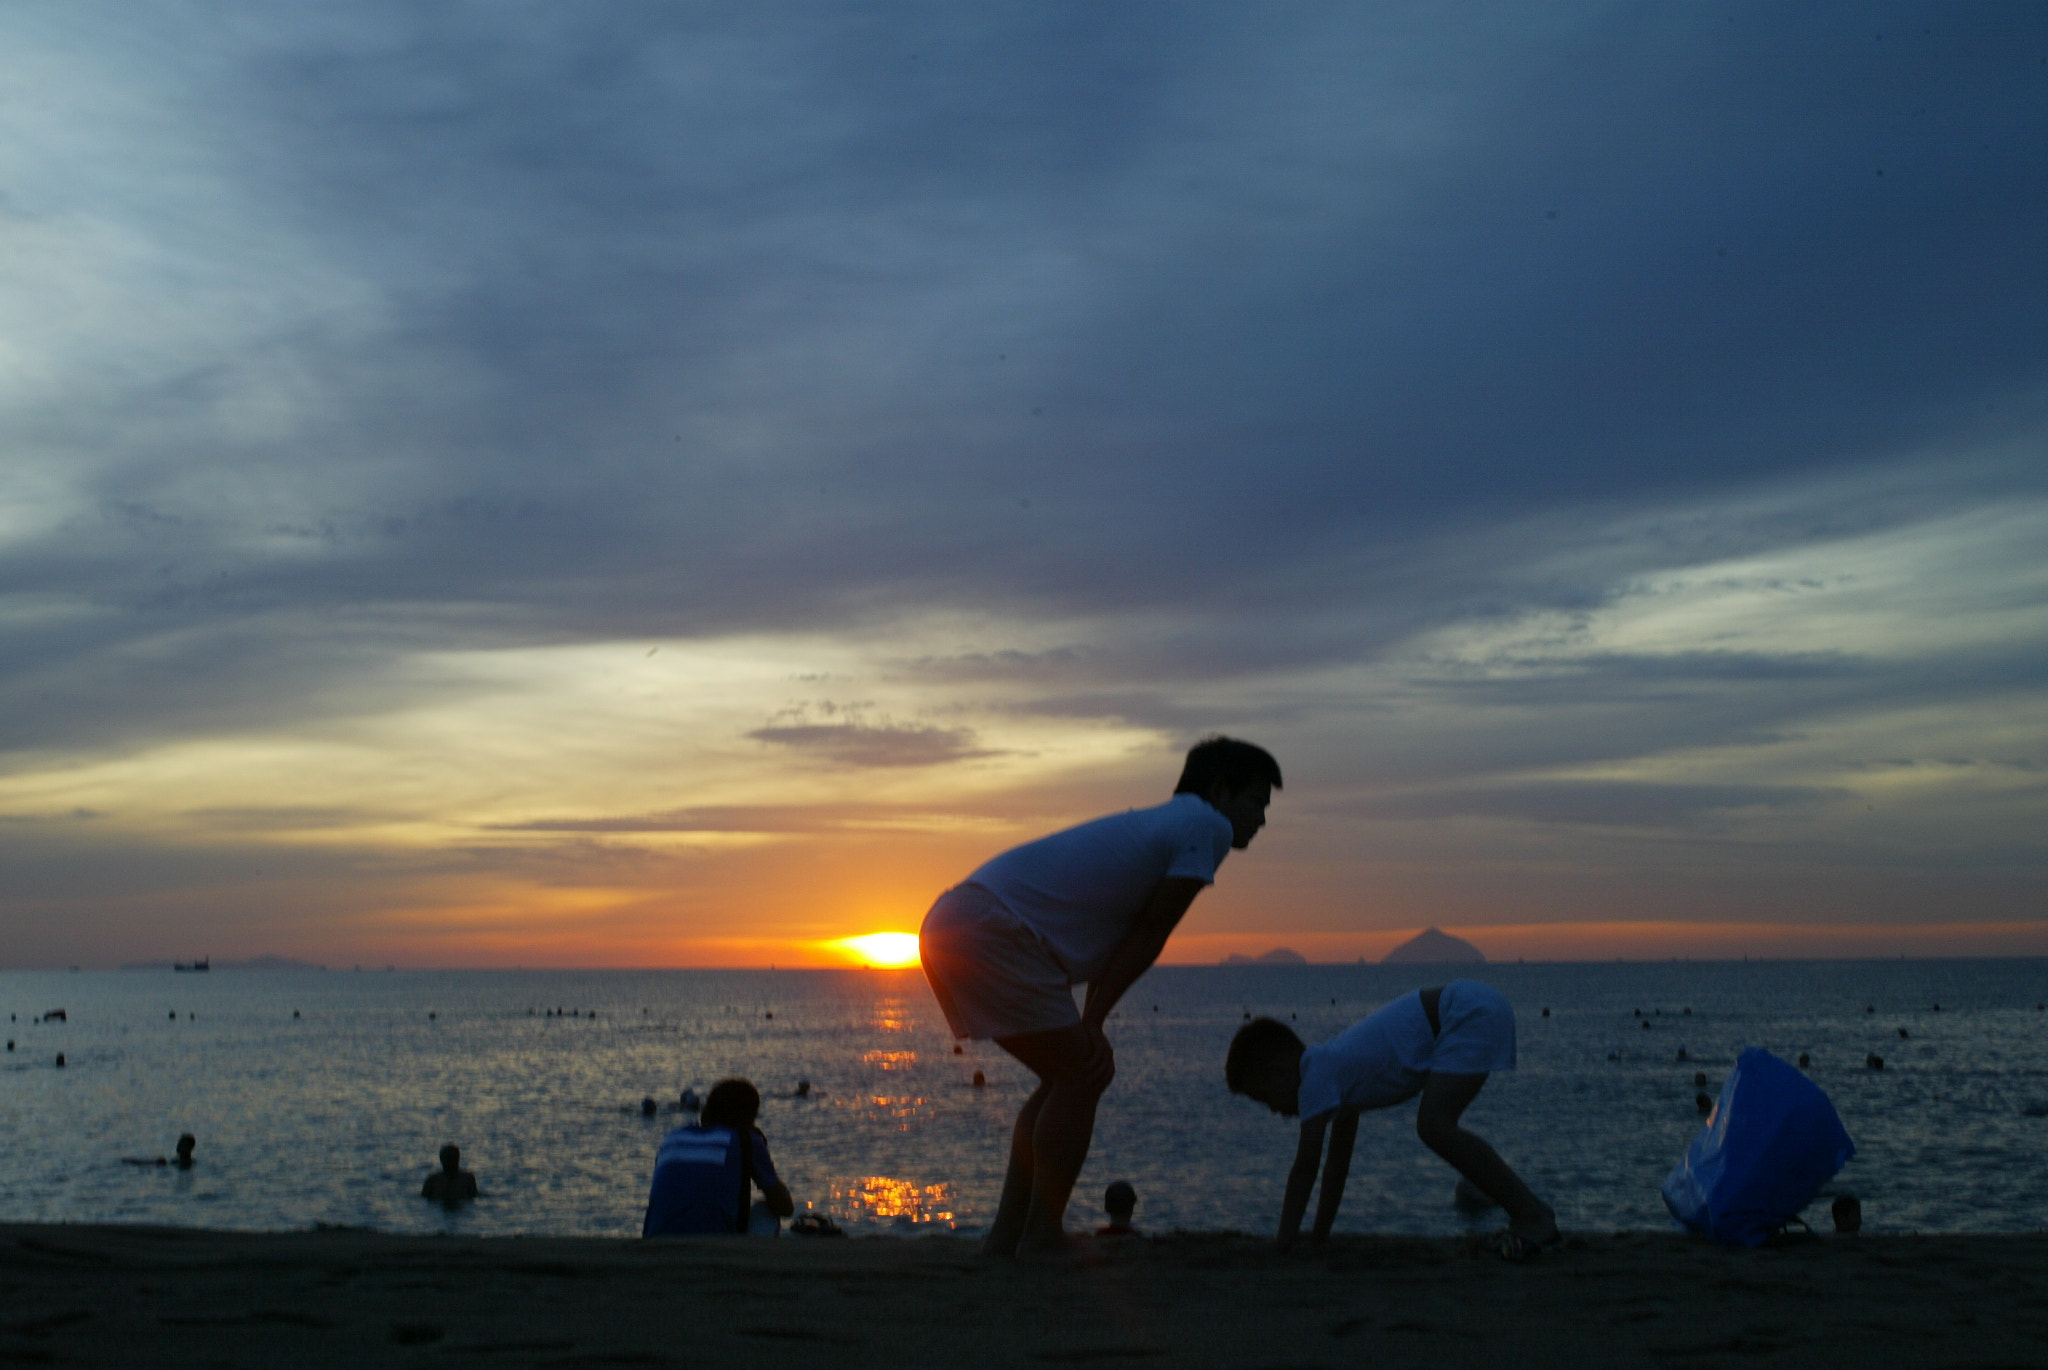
{"x":992,"y":976}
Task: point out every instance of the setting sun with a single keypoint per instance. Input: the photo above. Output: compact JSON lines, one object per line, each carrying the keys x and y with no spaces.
{"x":882,"y":948}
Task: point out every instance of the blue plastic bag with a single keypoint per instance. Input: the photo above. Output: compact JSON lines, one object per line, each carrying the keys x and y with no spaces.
{"x":1772,"y":1142}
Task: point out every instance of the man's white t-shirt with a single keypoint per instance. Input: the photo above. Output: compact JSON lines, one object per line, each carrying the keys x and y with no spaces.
{"x":1080,"y":890}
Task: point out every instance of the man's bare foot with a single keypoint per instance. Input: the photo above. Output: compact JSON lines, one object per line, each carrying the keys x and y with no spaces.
{"x":1049,"y":1247}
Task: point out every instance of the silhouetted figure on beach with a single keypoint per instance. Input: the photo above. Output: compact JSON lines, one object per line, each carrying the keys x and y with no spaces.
{"x":1092,"y":904}
{"x":451,"y":1184}
{"x":1847,"y":1212}
{"x":706,"y":1172}
{"x":1119,"y":1201}
{"x":1440,"y":1043}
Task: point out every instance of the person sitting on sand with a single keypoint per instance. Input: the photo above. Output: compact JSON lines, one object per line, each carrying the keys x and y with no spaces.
{"x":1094,"y":903}
{"x":451,"y":1184}
{"x":1440,"y":1043}
{"x":706,"y":1172}
{"x":1119,"y":1201}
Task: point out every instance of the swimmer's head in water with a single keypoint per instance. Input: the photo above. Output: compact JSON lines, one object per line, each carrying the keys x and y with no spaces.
{"x":1265,"y":1064}
{"x":185,"y":1144}
{"x":451,"y":1158}
{"x":731,"y":1103}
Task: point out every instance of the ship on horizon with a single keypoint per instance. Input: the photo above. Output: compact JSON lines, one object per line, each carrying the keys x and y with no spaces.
{"x":203,"y":963}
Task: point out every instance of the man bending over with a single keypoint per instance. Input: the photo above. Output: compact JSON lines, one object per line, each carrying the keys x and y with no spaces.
{"x":1096,"y":904}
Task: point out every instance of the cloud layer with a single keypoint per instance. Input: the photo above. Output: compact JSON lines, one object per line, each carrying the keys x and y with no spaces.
{"x":1599,"y":449}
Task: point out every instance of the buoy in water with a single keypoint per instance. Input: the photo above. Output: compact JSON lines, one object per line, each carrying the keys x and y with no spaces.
{"x":1804,"y":1060}
{"x":1682,"y":1056}
{"x":647,"y":1107}
{"x":803,"y":1089}
{"x":60,"y":1060}
{"x":1546,"y":1012}
{"x":1874,"y":1061}
{"x":770,"y":1013}
{"x":957,"y":1051}
{"x":1699,"y":1078}
{"x":1703,"y":1103}
{"x":1903,"y":1035}
{"x":1646,"y":1025}
{"x":980,"y":1080}
{"x":295,"y":1013}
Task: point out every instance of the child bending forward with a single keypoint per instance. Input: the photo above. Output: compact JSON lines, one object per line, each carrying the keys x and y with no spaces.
{"x":1440,"y":1043}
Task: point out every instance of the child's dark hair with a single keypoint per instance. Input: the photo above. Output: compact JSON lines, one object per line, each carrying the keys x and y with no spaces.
{"x":1119,"y":1197}
{"x":1239,"y":765}
{"x":1255,"y":1041}
{"x":731,"y":1103}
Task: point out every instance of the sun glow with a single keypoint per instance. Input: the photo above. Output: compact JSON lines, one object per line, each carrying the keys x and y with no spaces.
{"x":887,"y":949}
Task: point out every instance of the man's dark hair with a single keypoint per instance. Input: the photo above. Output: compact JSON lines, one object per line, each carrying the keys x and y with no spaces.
{"x":731,"y":1103}
{"x":1256,"y":1041}
{"x":1120,"y":1197}
{"x":451,"y":1157}
{"x":1239,"y":765}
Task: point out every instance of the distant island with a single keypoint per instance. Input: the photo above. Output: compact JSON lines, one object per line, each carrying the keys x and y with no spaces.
{"x":253,"y":963}
{"x":1434,"y":947}
{"x":1278,"y":956}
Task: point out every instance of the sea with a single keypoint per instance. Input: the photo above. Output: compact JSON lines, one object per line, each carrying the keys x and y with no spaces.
{"x":322,"y":1097}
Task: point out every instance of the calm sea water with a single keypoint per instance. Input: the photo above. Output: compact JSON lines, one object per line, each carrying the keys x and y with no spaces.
{"x":335,"y":1115}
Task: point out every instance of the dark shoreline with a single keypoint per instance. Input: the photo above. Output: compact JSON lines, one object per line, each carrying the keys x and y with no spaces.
{"x":153,"y":1296}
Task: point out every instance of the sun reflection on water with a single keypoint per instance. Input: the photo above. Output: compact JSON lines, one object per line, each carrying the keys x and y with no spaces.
{"x":889,"y":1060}
{"x":903,"y":1203}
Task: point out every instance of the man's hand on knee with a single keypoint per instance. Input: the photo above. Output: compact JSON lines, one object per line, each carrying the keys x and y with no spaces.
{"x":1095,"y":1070}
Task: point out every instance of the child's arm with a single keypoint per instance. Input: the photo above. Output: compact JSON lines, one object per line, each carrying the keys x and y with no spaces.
{"x":1302,"y":1178}
{"x":1335,"y":1171}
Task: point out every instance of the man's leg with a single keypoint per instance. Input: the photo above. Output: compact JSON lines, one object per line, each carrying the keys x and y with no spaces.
{"x":1074,"y":1066}
{"x":1016,"y":1201}
{"x":1444,"y":1100}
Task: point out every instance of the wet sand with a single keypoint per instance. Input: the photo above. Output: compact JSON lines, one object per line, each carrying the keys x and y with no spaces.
{"x":141,"y":1297}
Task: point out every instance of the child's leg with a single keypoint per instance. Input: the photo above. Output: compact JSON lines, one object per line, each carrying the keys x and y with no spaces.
{"x":1444,"y":1100}
{"x":1075,"y":1065}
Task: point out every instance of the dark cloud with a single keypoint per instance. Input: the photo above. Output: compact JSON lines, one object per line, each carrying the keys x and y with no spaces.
{"x":1604,"y":803}
{"x":882,"y":745}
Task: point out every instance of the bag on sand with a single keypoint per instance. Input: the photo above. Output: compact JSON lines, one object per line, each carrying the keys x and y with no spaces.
{"x":1773,"y":1141}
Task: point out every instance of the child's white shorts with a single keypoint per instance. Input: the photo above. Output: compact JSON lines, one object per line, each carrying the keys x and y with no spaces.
{"x":992,"y":976}
{"x":1478,"y":1030}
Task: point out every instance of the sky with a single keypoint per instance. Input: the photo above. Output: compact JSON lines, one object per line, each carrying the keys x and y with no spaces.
{"x":633,"y":484}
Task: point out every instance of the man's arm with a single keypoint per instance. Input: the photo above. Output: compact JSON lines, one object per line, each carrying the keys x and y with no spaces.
{"x":1301,"y":1178}
{"x":1164,"y":908}
{"x":779,"y":1202}
{"x":1335,"y":1171}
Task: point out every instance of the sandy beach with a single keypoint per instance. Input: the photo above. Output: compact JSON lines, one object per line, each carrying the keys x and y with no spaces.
{"x":165,"y":1297}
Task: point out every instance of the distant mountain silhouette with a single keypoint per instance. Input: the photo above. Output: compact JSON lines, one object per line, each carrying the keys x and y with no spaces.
{"x":253,"y":963}
{"x":1278,"y":956}
{"x":1434,"y":947}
